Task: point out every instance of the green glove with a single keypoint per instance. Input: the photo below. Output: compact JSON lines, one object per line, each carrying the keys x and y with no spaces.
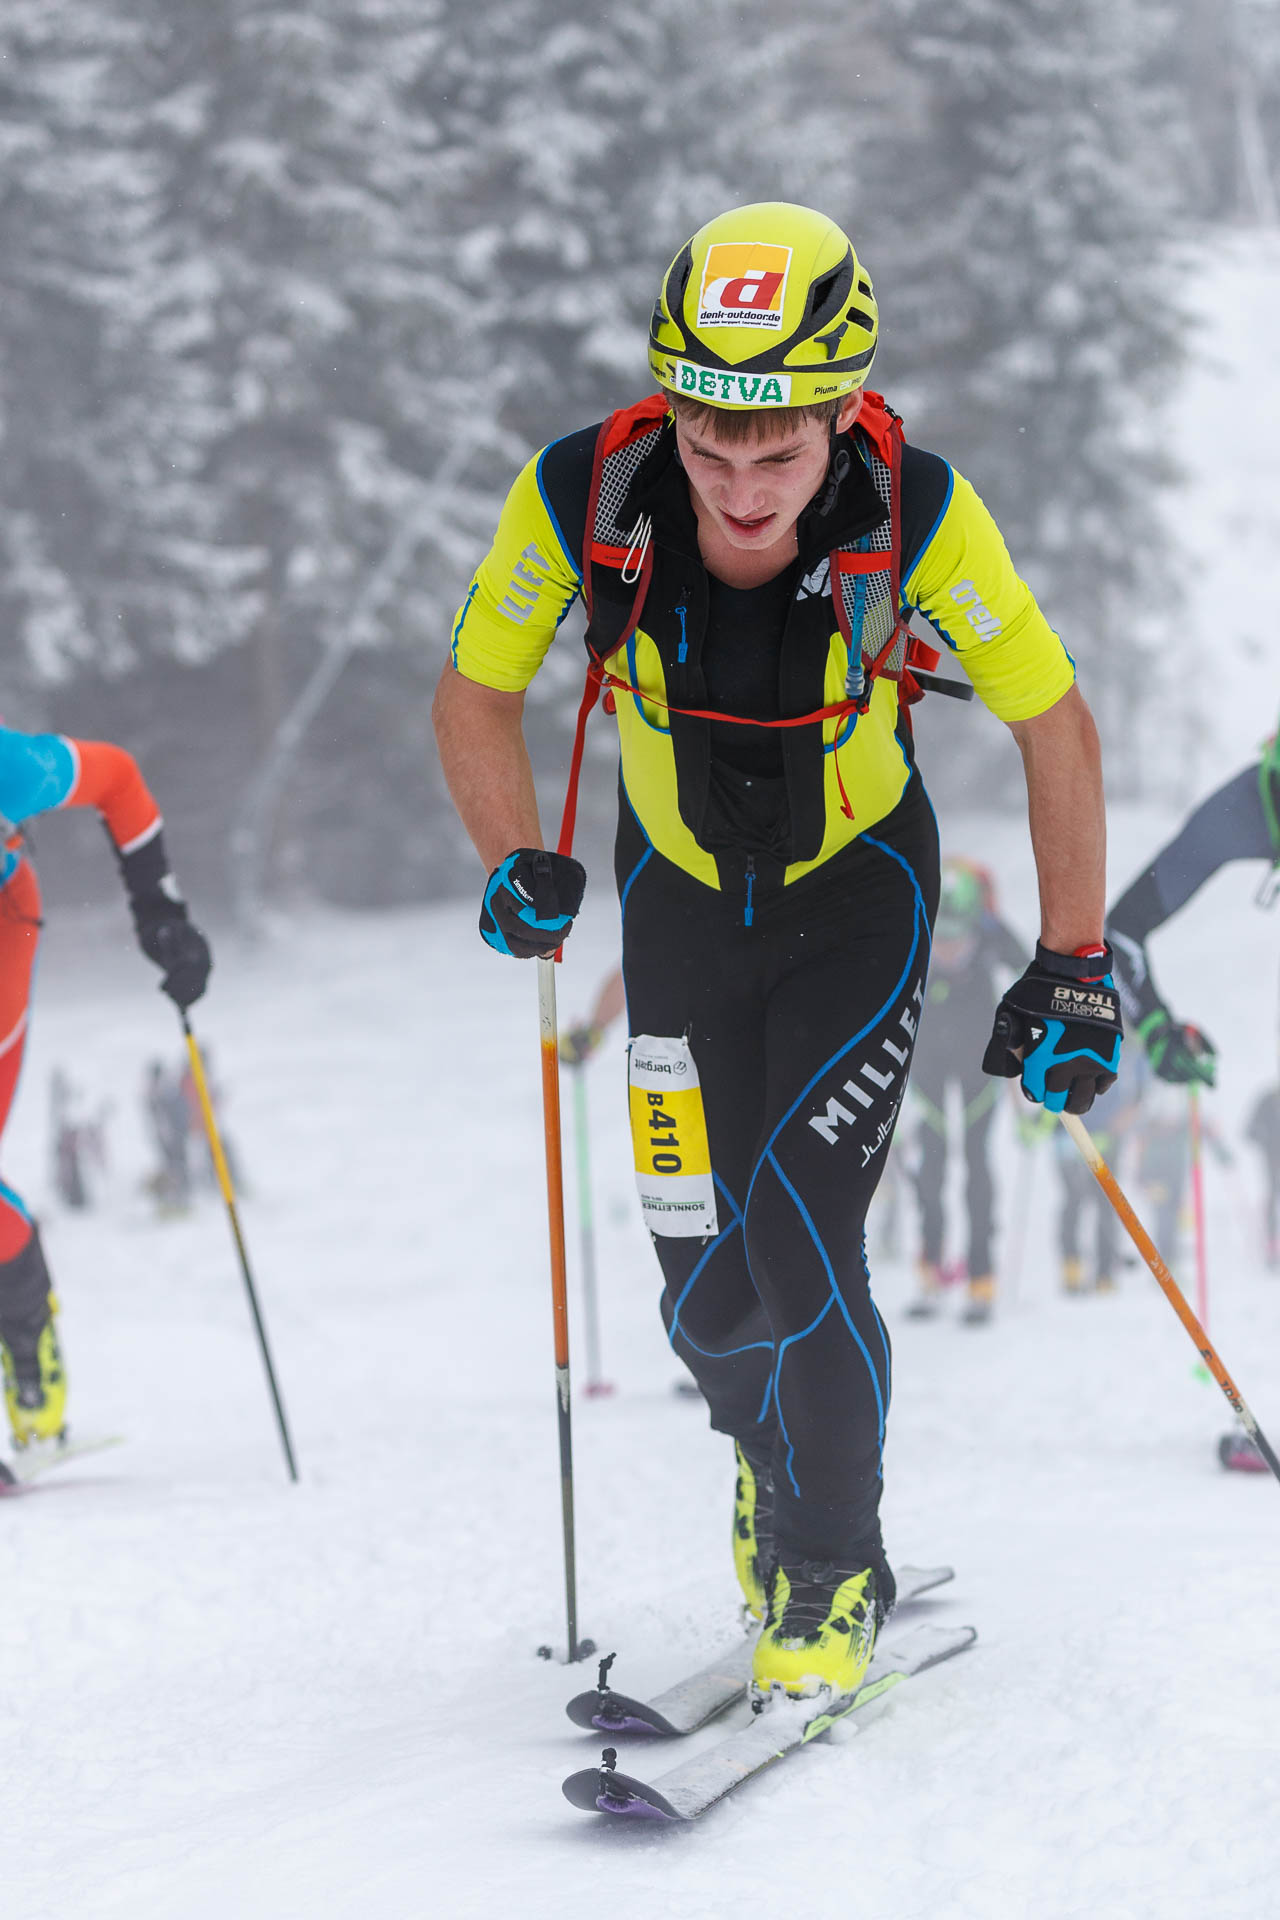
{"x":1178,"y":1053}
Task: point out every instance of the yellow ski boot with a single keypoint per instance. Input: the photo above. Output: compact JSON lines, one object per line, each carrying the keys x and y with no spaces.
{"x":753,"y":1529}
{"x":819,"y":1632}
{"x":1072,"y":1275}
{"x":980,"y":1302}
{"x":35,"y":1381}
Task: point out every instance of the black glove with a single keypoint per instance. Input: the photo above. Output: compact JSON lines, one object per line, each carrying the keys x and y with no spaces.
{"x":1059,"y":1027}
{"x":180,"y":950}
{"x":160,"y":921}
{"x":531,"y":901}
{"x":1180,"y":1054}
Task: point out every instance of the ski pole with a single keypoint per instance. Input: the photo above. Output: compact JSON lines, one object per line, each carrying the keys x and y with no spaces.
{"x":559,"y":1287}
{"x":1197,"y":1207}
{"x":1168,"y":1285}
{"x":228,"y":1194}
{"x":596,"y":1384}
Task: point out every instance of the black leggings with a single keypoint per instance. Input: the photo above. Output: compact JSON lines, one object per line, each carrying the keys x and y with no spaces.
{"x":801,"y":1024}
{"x":932,"y":1074}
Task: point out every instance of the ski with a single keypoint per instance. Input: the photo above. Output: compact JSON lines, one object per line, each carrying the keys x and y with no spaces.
{"x":685,"y":1792}
{"x":43,"y":1456}
{"x":691,"y":1702}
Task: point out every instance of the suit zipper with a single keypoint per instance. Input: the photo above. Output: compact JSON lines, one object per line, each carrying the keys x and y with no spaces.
{"x":748,"y":912}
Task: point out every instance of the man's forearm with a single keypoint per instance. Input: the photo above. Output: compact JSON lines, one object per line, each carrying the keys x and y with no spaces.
{"x":1063,"y":764}
{"x":480,"y":737}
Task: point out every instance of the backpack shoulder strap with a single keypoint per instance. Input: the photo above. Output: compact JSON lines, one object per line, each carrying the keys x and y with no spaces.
{"x":623,"y":441}
{"x":865,"y":576}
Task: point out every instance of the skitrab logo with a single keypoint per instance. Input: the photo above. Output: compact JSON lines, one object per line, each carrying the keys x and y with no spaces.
{"x":744,"y":284}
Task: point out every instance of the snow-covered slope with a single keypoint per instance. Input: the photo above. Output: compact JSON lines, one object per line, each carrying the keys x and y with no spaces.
{"x":221,"y":1695}
{"x":224,"y":1695}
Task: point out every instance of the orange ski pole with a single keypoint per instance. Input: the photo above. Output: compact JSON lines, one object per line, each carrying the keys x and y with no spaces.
{"x":1197,"y":1207}
{"x":1168,"y":1285}
{"x":559,"y":1288}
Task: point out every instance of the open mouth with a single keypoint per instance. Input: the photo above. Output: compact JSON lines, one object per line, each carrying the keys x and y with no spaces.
{"x":755,"y":525}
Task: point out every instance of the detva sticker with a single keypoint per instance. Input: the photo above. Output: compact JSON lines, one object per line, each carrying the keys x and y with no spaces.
{"x":669,"y":1135}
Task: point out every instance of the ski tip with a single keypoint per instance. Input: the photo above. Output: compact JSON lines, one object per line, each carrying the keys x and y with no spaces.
{"x":608,"y":1712}
{"x":604,"y":1790}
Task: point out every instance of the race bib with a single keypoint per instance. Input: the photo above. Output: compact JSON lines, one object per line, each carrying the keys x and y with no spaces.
{"x":669,"y":1134}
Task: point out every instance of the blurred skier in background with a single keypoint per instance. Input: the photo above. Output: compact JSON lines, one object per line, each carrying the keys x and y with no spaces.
{"x":1087,"y":1223}
{"x":169,"y":1125}
{"x":970,"y":945}
{"x":78,"y":1145}
{"x":1263,"y":1132}
{"x":750,"y":542}
{"x":38,"y":773}
{"x":1241,"y":821}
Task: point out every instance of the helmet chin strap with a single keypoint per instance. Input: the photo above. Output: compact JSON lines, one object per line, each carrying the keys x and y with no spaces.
{"x":838,"y":464}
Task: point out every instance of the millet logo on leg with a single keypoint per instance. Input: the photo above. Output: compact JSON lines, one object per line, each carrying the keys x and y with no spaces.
{"x":874,"y":1072}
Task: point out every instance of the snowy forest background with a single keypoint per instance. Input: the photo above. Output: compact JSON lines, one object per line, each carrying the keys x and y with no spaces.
{"x":287,"y":294}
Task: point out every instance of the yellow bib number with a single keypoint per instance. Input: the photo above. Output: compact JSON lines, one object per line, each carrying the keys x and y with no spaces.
{"x":669,"y":1135}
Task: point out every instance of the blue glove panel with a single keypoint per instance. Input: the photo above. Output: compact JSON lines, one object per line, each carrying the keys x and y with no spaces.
{"x":530,"y":902}
{"x":1037,"y":1064}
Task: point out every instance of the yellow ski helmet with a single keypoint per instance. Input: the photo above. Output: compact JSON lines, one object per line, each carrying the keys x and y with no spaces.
{"x":767,"y":306}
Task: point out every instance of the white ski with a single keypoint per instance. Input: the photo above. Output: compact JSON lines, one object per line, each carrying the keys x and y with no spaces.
{"x":42,"y":1456}
{"x":686,"y":1791}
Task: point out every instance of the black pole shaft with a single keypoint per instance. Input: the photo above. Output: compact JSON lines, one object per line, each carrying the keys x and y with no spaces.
{"x":228,"y":1194}
{"x":566,"y":1517}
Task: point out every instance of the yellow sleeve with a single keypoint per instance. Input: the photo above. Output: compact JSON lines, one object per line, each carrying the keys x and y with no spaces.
{"x":964,"y":580}
{"x":520,"y":592}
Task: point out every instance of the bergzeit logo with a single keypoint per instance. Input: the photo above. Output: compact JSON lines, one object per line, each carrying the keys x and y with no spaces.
{"x":744,"y":284}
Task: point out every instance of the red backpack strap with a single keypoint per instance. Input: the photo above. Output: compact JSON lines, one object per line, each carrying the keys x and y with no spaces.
{"x":883,"y":428}
{"x":603,"y":543}
{"x":627,"y":428}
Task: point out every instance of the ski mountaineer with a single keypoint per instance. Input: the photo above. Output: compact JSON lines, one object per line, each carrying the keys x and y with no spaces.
{"x":38,"y":773}
{"x":1241,"y":821}
{"x":970,"y":942}
{"x":748,"y":543}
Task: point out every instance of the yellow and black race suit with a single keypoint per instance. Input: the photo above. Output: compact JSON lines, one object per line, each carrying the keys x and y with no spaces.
{"x":685,"y":776}
{"x":785,"y":942}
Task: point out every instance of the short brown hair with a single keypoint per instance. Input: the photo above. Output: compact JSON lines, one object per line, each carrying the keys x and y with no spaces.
{"x":736,"y":425}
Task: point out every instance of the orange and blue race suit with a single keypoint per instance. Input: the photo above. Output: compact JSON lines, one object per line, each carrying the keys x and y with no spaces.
{"x":38,"y":774}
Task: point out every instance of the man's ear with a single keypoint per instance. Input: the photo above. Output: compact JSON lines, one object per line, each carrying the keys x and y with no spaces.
{"x":850,"y":408}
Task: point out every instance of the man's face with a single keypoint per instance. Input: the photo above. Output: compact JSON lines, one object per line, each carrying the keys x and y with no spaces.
{"x":754,"y":492}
